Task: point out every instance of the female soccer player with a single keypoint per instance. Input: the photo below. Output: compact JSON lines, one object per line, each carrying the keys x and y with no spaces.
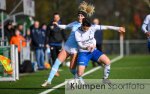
{"x":87,"y":46}
{"x":146,"y":29}
{"x":71,"y":47}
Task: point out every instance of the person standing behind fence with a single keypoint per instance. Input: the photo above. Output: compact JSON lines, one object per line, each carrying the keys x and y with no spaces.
{"x":38,"y":44}
{"x":20,"y":28}
{"x":43,"y":31}
{"x":146,"y":29}
{"x":98,"y":36}
{"x":9,"y":31}
{"x":19,"y":41}
{"x":55,"y":37}
{"x":28,"y":37}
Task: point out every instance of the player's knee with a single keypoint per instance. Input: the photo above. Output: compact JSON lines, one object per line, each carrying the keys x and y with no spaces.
{"x":80,"y":73}
{"x":107,"y":62}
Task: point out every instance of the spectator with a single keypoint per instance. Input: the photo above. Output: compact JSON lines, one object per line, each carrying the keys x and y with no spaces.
{"x":20,"y":28}
{"x":55,"y":37}
{"x":44,"y":27}
{"x":43,"y":30}
{"x":9,"y":31}
{"x":146,"y":29}
{"x":19,"y":41}
{"x":98,"y":36}
{"x":28,"y":36}
{"x":38,"y":44}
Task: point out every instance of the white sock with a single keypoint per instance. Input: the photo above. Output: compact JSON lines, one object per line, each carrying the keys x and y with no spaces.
{"x":106,"y":71}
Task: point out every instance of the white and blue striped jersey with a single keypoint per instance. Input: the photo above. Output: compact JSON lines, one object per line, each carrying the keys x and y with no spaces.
{"x":86,"y":38}
{"x":146,"y":24}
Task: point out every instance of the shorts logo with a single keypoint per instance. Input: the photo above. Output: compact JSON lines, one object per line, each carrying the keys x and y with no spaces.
{"x":81,"y":62}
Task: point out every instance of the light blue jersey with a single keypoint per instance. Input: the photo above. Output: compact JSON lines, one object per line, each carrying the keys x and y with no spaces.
{"x":71,"y":42}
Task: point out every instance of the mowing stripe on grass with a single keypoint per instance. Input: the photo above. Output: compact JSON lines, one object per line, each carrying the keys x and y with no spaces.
{"x":88,"y":72}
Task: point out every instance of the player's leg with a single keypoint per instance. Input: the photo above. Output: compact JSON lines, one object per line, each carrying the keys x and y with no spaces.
{"x":73,"y":64}
{"x":81,"y":69}
{"x":61,"y":58}
{"x":100,"y":57}
{"x":58,"y":48}
{"x":82,"y":62}
{"x":42,"y":58}
{"x":99,"y":47}
{"x":37,"y":53}
{"x":104,"y":59}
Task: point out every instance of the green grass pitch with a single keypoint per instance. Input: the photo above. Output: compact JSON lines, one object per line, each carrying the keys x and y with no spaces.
{"x":130,"y":67}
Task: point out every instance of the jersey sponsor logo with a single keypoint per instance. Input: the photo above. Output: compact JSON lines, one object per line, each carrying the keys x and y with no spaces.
{"x":88,"y":41}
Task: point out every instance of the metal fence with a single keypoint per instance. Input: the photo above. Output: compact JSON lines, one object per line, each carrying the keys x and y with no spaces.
{"x":131,"y":47}
{"x":110,"y":47}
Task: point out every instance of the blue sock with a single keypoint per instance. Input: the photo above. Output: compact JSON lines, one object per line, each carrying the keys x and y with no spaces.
{"x":73,"y":71}
{"x":54,"y":70}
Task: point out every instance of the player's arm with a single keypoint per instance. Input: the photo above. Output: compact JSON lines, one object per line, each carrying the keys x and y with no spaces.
{"x":144,"y":26}
{"x":69,"y":26}
{"x":119,"y":29}
{"x":106,"y":27}
{"x":92,"y":46}
{"x":60,"y":26}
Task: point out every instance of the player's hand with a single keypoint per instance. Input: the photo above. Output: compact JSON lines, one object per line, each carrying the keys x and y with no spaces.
{"x":122,"y":29}
{"x":51,"y":48}
{"x":55,"y":23}
{"x":91,"y":48}
{"x":148,"y":34}
{"x":88,"y":48}
{"x":47,"y":46}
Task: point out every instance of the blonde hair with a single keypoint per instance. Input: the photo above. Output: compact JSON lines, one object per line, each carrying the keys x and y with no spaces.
{"x":87,"y":8}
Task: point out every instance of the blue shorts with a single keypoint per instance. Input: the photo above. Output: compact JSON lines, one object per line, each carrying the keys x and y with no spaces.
{"x":85,"y":57}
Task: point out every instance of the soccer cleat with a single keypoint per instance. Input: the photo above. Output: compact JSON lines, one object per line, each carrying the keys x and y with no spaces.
{"x":106,"y":81}
{"x":80,"y":81}
{"x":46,"y":83}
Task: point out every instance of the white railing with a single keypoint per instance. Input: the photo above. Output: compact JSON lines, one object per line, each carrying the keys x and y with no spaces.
{"x":127,"y":47}
{"x":13,"y":51}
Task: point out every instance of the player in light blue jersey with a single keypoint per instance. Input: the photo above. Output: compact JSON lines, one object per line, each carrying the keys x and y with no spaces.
{"x":146,"y":29}
{"x":71,"y":47}
{"x":87,"y":47}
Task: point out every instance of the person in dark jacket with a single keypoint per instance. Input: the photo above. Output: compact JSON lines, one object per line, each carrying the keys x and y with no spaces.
{"x":9,"y":31}
{"x":55,"y":37}
{"x":98,"y":36}
{"x":44,"y":30}
{"x":38,"y":44}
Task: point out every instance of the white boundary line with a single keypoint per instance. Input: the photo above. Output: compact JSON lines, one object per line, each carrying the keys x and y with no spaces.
{"x":88,"y":72}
